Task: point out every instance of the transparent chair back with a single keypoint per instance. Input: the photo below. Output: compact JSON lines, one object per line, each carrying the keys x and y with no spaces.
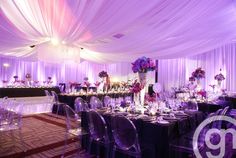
{"x":55,"y":97}
{"x":95,"y":103}
{"x":125,"y":134}
{"x":97,"y":126}
{"x":81,"y":105}
{"x":107,"y":101}
{"x":47,"y":93}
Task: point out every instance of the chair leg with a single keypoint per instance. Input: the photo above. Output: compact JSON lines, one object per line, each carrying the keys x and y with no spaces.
{"x":113,"y":152}
{"x":65,"y":145}
{"x":108,"y":151}
{"x":98,"y":150}
{"x":90,"y":145}
{"x":22,"y":140}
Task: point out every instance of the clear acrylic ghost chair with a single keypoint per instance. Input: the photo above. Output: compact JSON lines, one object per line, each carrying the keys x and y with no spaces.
{"x":107,"y":101}
{"x":73,"y":127}
{"x":47,"y":93}
{"x":11,"y":119}
{"x":125,"y":136}
{"x":80,"y":105}
{"x":95,"y":103}
{"x":56,"y":102}
{"x":98,"y":133}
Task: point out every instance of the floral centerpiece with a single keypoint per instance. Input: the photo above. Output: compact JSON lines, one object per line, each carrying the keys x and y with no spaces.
{"x":199,"y":73}
{"x":28,"y":76}
{"x":103,"y":74}
{"x":191,"y":79}
{"x":136,"y":87}
{"x":97,"y":83}
{"x":219,"y":77}
{"x":143,"y":65}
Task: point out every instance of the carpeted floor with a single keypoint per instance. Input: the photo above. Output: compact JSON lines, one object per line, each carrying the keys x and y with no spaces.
{"x":43,"y":137}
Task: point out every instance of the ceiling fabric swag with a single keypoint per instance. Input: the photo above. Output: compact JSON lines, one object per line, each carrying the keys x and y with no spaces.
{"x":114,"y":31}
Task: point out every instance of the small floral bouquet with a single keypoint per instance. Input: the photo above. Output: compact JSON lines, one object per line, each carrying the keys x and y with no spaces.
{"x":85,"y":78}
{"x":219,"y":77}
{"x":15,"y":77}
{"x":136,"y":87}
{"x":49,"y":78}
{"x":28,"y":76}
{"x":4,"y":81}
{"x":150,"y":98}
{"x":198,"y":73}
{"x":191,"y":79}
{"x":143,"y":65}
{"x":87,"y":84}
{"x":202,"y":93}
{"x":103,"y":74}
{"x":97,"y":83}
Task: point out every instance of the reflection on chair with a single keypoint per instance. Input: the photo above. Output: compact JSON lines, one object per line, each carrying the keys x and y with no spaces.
{"x":80,"y":105}
{"x":72,"y":127}
{"x":11,"y":119}
{"x":95,"y":103}
{"x":107,"y":101}
{"x":56,"y":102}
{"x":98,"y":133}
{"x":125,"y":136}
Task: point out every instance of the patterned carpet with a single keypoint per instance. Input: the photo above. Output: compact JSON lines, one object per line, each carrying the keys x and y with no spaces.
{"x":43,"y":137}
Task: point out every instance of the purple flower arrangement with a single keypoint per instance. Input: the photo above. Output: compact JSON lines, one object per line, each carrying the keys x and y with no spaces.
{"x":219,"y":77}
{"x":191,"y":79}
{"x":49,"y":78}
{"x":143,"y":65}
{"x":136,"y":87}
{"x":198,"y":73}
{"x":15,"y":77}
{"x":103,"y":74}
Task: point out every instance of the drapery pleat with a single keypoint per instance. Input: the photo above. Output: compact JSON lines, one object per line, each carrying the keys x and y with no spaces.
{"x":175,"y":72}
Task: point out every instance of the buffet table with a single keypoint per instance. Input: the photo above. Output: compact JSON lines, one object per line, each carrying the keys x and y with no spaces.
{"x":26,"y":92}
{"x":69,"y":99}
{"x":156,"y":136}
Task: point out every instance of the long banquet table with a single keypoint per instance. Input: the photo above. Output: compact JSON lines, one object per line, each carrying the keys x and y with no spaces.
{"x":26,"y":92}
{"x":155,"y":136}
{"x":69,"y":99}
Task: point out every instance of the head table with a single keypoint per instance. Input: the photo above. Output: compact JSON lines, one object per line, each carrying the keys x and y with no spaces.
{"x":152,"y":133}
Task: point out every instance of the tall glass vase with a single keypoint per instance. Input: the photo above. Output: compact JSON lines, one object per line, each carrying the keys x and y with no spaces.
{"x":143,"y":81}
{"x":137,"y":100}
{"x":199,"y":87}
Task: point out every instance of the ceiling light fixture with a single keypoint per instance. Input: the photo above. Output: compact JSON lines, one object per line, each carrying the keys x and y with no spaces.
{"x":54,"y":41}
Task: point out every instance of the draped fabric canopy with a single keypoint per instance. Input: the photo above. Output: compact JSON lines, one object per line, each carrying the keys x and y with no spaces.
{"x":113,"y":30}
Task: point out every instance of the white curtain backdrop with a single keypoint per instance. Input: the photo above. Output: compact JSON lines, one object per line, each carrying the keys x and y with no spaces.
{"x":175,"y":72}
{"x":66,"y":72}
{"x":115,"y":30}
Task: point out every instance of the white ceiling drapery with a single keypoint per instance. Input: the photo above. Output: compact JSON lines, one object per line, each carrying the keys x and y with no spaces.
{"x":113,"y":30}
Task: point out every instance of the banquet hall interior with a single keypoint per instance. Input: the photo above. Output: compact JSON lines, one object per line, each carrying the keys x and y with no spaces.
{"x":118,"y":78}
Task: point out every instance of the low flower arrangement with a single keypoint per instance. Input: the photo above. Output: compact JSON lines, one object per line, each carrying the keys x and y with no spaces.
{"x":15,"y":77}
{"x":136,"y":87}
{"x":143,"y":65}
{"x":103,"y":74}
{"x":28,"y":76}
{"x":150,"y":98}
{"x":198,"y":73}
{"x":97,"y":83}
{"x":219,"y":77}
{"x":191,"y":79}
{"x":202,"y":93}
